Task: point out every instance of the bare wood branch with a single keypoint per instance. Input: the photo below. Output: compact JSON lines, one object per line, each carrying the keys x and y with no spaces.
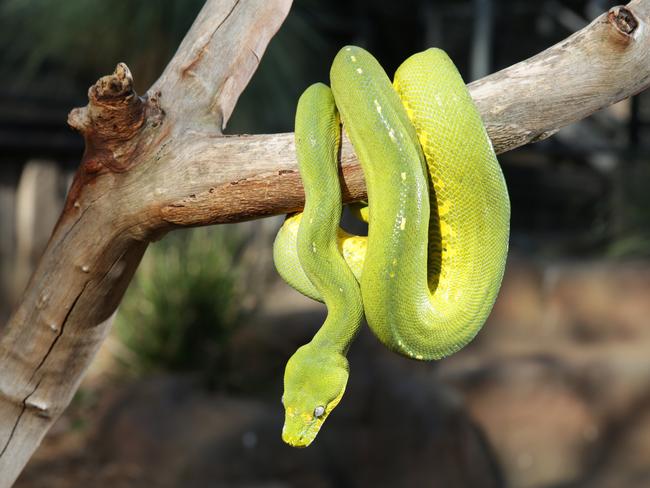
{"x":597,"y":66}
{"x":216,"y":60}
{"x":160,"y":161}
{"x":102,"y":233}
{"x":253,"y":176}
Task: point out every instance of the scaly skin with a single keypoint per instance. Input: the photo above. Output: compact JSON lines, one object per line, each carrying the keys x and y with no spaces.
{"x":433,"y":261}
{"x":316,"y":375}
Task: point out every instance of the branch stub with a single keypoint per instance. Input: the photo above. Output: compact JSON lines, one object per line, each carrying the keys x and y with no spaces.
{"x":623,"y":20}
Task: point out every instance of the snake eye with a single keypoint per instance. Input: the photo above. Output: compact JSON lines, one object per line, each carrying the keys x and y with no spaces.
{"x":319,"y":411}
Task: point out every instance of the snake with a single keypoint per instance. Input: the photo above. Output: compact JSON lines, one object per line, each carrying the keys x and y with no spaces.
{"x":427,"y":274}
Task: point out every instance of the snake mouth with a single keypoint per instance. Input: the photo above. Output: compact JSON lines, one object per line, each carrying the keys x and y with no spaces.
{"x":297,"y":442}
{"x":299,"y":432}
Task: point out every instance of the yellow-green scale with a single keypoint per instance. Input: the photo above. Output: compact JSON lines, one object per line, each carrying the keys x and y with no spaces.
{"x":434,"y":258}
{"x":316,"y":375}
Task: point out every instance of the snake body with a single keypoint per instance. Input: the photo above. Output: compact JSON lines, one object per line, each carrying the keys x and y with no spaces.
{"x":431,"y":266}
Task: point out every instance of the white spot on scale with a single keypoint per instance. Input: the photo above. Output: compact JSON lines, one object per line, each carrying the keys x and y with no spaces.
{"x":403,"y":175}
{"x":341,"y":290}
{"x":418,"y":356}
{"x":402,"y":224}
{"x":391,"y":134}
{"x":353,"y":58}
{"x":359,"y":70}
{"x":313,"y":247}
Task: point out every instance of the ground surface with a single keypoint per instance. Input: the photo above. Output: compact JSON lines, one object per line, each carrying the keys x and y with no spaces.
{"x":553,"y":393}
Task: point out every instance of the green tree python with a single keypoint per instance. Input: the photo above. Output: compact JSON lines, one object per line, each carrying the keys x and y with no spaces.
{"x":427,"y":275}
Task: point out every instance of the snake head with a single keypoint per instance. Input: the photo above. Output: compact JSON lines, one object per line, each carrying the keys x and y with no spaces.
{"x":314,"y":383}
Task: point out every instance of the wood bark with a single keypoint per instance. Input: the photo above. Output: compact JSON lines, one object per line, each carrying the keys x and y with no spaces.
{"x":159,"y":162}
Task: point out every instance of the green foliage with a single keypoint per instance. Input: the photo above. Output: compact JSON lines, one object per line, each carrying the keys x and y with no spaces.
{"x":184,"y":303}
{"x":631,"y":211}
{"x":84,"y":39}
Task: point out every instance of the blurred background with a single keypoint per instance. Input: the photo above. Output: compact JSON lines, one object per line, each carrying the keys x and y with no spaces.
{"x":554,"y":392}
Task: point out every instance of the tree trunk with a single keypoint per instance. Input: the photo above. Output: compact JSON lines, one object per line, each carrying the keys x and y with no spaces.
{"x":158,"y":162}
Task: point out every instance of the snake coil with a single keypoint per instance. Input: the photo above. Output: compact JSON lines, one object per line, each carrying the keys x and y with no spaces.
{"x":428,"y":273}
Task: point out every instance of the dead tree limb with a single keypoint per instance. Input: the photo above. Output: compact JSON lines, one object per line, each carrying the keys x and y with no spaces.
{"x":246,"y":177}
{"x":158,"y":162}
{"x":109,"y":218}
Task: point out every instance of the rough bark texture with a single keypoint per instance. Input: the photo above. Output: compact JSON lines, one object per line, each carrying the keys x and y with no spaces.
{"x":157,"y":162}
{"x":246,"y":177}
{"x":109,"y":216}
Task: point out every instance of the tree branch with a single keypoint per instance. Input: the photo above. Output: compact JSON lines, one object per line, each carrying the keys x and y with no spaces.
{"x":103,"y":231}
{"x":157,"y":162}
{"x":248,"y":177}
{"x":216,"y":60}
